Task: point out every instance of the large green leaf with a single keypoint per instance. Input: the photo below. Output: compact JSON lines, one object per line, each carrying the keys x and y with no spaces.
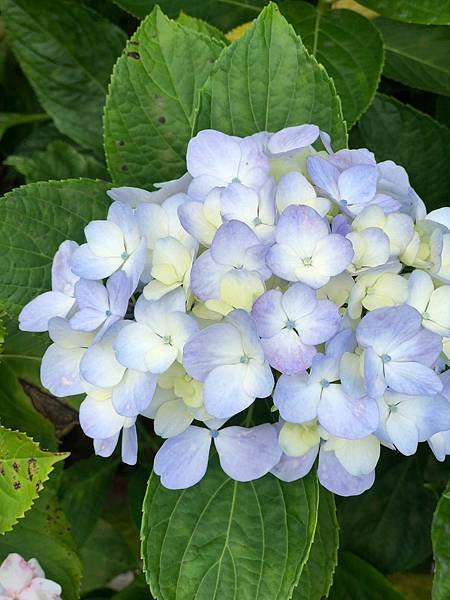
{"x":223,"y":13}
{"x":440,"y":534}
{"x":347,"y":45}
{"x":67,"y":52}
{"x":34,"y":220}
{"x":45,"y":535}
{"x":84,"y":488}
{"x":417,"y":55}
{"x":390,"y":524}
{"x":224,"y":539}
{"x":414,"y":140}
{"x":317,"y":574}
{"x":428,"y":12}
{"x":266,"y":80}
{"x":24,"y":468}
{"x":59,"y":161}
{"x":202,"y":27}
{"x":357,"y":579}
{"x":150,"y":107}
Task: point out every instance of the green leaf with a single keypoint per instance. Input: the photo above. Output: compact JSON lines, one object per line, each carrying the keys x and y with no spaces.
{"x":59,"y":161}
{"x":440,"y":534}
{"x":442,"y":110}
{"x":266,"y":80}
{"x":225,"y":14}
{"x":317,"y":575}
{"x":224,"y":539}
{"x":428,"y":12}
{"x":16,"y":409}
{"x":417,"y":55}
{"x":67,"y":52}
{"x":150,"y":107}
{"x":34,"y":220}
{"x":104,"y":554}
{"x":347,"y":45}
{"x":8,"y":120}
{"x":45,"y":535}
{"x":356,"y":578}
{"x":202,"y":27}
{"x":24,"y":468}
{"x":83,"y":491}
{"x":389,"y":525}
{"x":414,"y":140}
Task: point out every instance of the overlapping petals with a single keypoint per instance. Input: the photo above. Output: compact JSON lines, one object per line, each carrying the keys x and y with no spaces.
{"x":276,"y":280}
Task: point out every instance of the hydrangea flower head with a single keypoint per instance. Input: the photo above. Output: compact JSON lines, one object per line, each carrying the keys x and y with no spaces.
{"x":275,"y":276}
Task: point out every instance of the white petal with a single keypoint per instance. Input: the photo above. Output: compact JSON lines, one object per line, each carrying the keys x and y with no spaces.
{"x":98,"y":418}
{"x":60,"y":370}
{"x":223,"y":392}
{"x":36,"y":314}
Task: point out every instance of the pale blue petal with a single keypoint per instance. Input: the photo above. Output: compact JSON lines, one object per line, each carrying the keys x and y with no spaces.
{"x":35,"y":315}
{"x":268,"y":313}
{"x":106,"y":447}
{"x":216,"y":345}
{"x":324,"y":175}
{"x":134,"y":393}
{"x":182,"y":460}
{"x":336,"y":479}
{"x":345,"y":417}
{"x":292,"y":138}
{"x":291,"y":468}
{"x":60,"y":370}
{"x":129,"y":445}
{"x":231,"y":242}
{"x":247,"y":454}
{"x":223,"y":392}
{"x":297,"y":398}
{"x":98,"y":419}
{"x":205,"y":277}
{"x":412,"y":378}
{"x":88,"y":265}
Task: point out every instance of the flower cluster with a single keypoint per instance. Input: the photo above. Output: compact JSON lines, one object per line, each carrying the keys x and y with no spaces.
{"x":25,"y":580}
{"x":306,"y":287}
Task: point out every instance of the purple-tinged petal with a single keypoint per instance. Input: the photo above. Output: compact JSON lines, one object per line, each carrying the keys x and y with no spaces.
{"x":336,"y":479}
{"x":182,"y":460}
{"x":291,"y":468}
{"x":91,"y":294}
{"x":286,"y":352}
{"x":193,"y":219}
{"x":342,"y":416}
{"x":247,"y":454}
